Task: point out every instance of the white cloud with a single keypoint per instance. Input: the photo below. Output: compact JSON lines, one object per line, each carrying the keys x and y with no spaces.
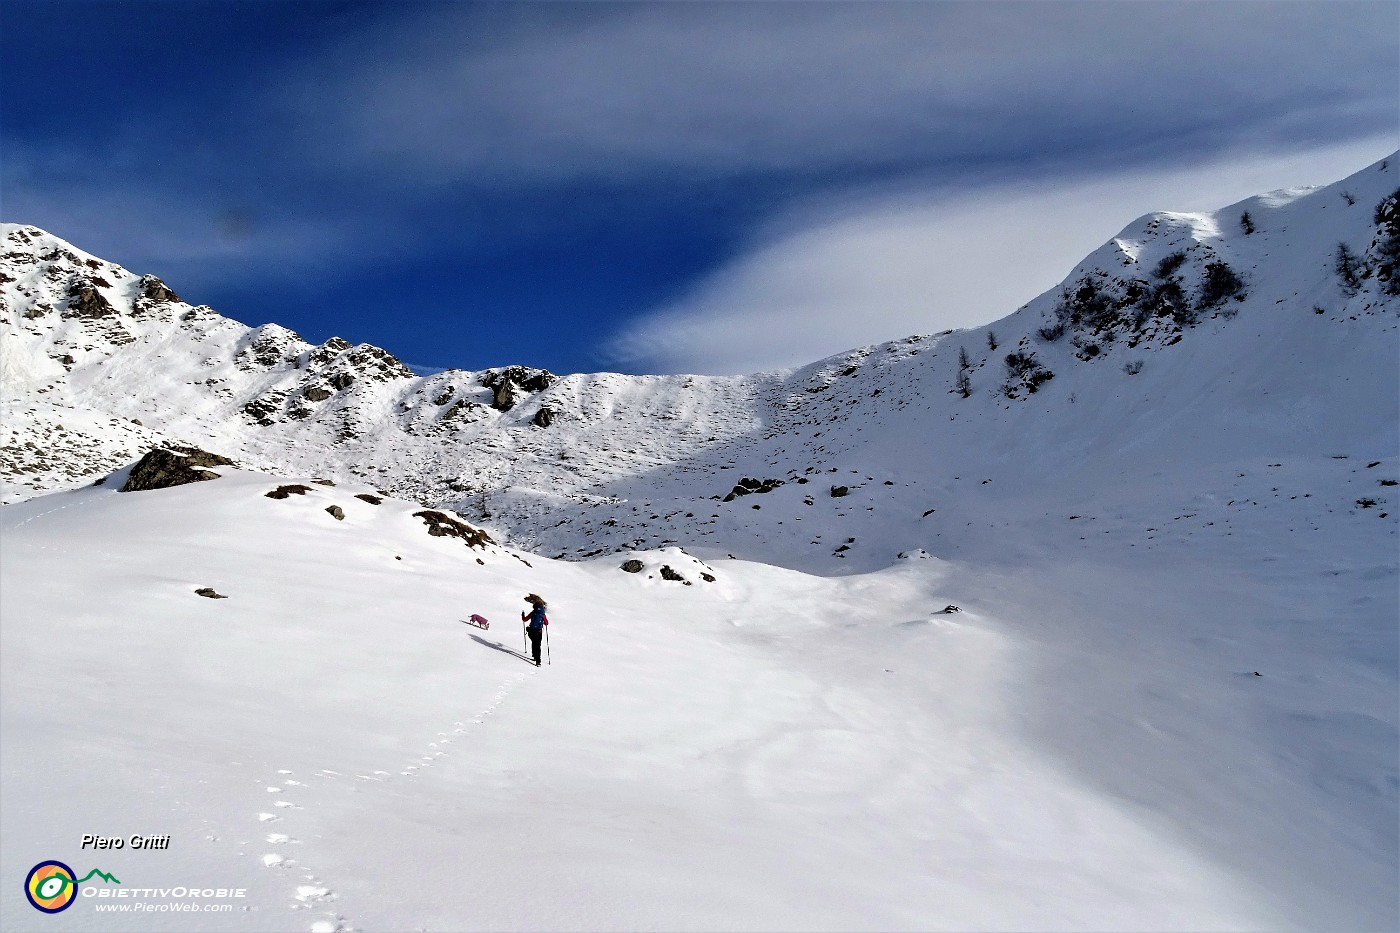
{"x":842,"y":276}
{"x":527,"y":92}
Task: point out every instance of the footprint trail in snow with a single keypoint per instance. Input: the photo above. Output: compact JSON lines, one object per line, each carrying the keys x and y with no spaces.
{"x":311,"y":893}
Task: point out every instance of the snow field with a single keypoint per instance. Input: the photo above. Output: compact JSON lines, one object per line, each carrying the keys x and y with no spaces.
{"x":772,"y":750}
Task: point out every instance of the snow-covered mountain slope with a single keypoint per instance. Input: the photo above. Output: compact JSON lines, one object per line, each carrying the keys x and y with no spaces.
{"x":766,"y":750}
{"x":114,"y":349}
{"x":1193,"y":343}
{"x":1170,"y":700}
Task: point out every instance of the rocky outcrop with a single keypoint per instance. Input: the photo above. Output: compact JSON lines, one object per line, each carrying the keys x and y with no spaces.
{"x":1384,"y":250}
{"x":369,"y":362}
{"x":327,"y":351}
{"x":1024,"y":373}
{"x":267,"y":347}
{"x":263,"y":408}
{"x":441,"y":524}
{"x":633,"y":566}
{"x":526,"y":377}
{"x":747,"y":486}
{"x":85,"y":301}
{"x":1178,"y":290}
{"x":153,"y":289}
{"x":291,"y":489}
{"x":509,"y":383}
{"x":544,"y":417}
{"x":464,"y":410}
{"x":505,"y":396}
{"x":174,"y":466}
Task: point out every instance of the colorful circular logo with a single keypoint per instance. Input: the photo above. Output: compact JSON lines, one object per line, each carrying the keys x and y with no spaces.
{"x":51,"y":887}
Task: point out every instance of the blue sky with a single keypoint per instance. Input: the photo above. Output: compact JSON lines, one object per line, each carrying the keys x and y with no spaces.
{"x":659,"y":187}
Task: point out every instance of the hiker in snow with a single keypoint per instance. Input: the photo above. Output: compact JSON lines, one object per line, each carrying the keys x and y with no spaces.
{"x":535,"y":620}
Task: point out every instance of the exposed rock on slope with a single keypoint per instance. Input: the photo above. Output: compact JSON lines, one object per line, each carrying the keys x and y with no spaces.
{"x":84,"y":299}
{"x":161,"y":468}
{"x":443,"y":525}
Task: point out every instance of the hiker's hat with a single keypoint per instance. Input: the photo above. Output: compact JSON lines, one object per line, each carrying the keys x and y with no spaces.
{"x":532,"y":598}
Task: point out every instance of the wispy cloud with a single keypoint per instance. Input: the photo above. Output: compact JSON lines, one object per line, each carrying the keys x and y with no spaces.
{"x":530,"y":92}
{"x":841,"y":276}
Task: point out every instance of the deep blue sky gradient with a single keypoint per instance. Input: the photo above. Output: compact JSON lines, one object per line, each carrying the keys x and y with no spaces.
{"x":475,"y":185}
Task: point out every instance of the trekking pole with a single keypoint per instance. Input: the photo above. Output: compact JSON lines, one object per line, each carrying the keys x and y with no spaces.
{"x":548,"y":658}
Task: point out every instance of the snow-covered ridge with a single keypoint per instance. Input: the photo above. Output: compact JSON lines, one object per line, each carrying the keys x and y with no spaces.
{"x":1226,"y":325}
{"x":89,"y":337}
